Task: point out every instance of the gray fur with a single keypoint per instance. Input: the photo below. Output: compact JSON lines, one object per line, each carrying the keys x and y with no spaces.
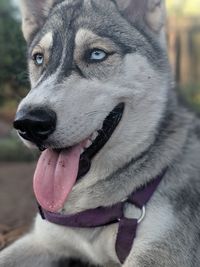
{"x":156,"y":132}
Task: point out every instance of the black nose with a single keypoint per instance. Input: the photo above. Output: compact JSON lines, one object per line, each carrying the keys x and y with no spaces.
{"x":35,"y":125}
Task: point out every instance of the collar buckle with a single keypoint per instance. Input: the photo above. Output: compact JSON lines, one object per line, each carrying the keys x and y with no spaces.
{"x":139,"y":219}
{"x":143,"y":214}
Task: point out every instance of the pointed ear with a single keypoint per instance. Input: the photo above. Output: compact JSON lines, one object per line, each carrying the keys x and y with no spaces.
{"x":34,"y":14}
{"x":149,"y":13}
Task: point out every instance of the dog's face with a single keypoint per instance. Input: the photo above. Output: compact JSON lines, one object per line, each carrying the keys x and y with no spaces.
{"x":98,"y":72}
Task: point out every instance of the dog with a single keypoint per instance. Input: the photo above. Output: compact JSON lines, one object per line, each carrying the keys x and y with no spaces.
{"x":104,"y":110}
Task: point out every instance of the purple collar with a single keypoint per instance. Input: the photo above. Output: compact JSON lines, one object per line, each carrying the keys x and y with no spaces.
{"x":103,"y":216}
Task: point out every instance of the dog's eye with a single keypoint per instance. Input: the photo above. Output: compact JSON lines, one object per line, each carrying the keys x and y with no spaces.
{"x":96,"y":55}
{"x":38,"y":59}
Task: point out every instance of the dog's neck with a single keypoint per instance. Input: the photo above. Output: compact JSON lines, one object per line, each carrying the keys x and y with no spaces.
{"x":172,"y":134}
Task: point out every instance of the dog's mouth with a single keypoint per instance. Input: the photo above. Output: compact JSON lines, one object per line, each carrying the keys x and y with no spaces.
{"x":59,"y":169}
{"x":99,"y":139}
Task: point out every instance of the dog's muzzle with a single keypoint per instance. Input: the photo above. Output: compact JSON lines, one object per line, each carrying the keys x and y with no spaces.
{"x":35,"y":125}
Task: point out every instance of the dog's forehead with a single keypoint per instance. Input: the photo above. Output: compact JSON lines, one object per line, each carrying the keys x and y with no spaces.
{"x":69,"y":16}
{"x":92,"y":14}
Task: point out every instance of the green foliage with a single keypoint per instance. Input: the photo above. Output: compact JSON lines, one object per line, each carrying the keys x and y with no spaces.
{"x":12,"y":54}
{"x":191,"y":95}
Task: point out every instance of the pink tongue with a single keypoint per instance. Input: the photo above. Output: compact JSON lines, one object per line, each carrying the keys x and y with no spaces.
{"x":55,"y":176}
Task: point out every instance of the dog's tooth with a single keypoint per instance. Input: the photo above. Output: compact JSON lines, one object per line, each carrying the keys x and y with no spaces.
{"x":82,"y":150}
{"x":101,"y":126}
{"x":94,"y":136}
{"x":88,"y":144}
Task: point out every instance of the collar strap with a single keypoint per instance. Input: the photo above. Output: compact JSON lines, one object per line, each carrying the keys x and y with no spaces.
{"x":103,"y":216}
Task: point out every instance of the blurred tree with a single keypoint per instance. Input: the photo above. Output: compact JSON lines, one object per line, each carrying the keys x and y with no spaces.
{"x":13,"y":77}
{"x":184,"y":7}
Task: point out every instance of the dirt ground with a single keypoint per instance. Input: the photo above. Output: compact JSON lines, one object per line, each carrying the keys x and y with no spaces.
{"x":17,"y":203}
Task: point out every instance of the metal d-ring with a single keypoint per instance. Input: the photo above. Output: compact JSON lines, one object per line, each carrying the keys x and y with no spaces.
{"x":143,"y":213}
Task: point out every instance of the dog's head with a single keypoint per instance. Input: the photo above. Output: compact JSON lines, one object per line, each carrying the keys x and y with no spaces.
{"x":99,"y":79}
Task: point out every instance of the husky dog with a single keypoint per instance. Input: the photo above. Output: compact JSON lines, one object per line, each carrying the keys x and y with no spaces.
{"x":103,"y":106}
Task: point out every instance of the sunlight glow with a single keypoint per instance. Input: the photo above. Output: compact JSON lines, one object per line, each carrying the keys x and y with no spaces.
{"x":184,"y":7}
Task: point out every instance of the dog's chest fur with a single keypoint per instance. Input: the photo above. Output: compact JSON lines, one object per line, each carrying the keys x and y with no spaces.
{"x":98,"y":245}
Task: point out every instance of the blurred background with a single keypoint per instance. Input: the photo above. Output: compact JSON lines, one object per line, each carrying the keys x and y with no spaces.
{"x":17,"y":205}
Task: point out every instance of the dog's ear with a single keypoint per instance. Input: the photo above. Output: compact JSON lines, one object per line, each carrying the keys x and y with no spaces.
{"x":34,"y":14}
{"x":150,"y":13}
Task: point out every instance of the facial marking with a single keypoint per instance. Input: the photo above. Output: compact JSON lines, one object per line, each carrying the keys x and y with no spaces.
{"x":44,"y":44}
{"x":87,"y":42}
{"x":86,"y":37}
{"x":47,"y":41}
{"x":43,"y":49}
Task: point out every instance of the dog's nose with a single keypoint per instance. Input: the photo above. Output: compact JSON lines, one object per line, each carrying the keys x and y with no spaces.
{"x":35,"y":125}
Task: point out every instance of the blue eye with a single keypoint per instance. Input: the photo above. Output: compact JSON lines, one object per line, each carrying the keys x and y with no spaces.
{"x":97,"y":55}
{"x":38,"y":59}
